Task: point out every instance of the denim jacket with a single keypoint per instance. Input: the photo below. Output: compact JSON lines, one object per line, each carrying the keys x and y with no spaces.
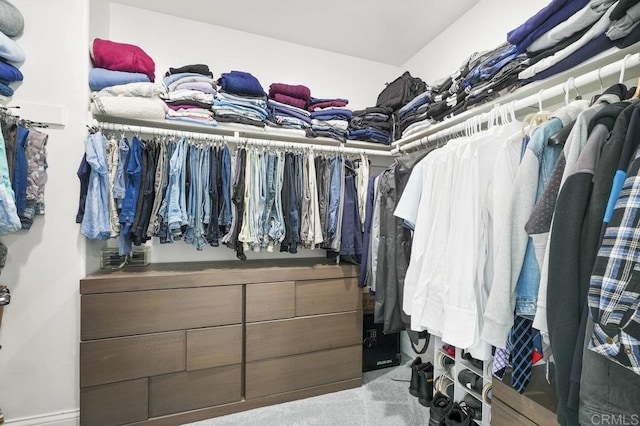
{"x":529,"y":279}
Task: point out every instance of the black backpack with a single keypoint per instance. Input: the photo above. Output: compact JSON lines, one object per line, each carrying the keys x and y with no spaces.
{"x":401,"y":91}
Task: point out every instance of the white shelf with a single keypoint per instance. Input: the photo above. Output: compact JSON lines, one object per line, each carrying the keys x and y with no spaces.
{"x":471,"y":367}
{"x":471,"y":392}
{"x":460,"y":390}
{"x":243,"y":131}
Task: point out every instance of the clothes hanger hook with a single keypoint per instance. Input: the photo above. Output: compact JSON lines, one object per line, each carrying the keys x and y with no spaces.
{"x":623,"y":68}
{"x":540,"y":100}
{"x":572,"y":80}
{"x":600,"y":80}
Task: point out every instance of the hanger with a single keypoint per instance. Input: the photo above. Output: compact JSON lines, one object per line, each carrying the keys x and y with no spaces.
{"x":532,"y":121}
{"x":623,"y":68}
{"x":93,"y":129}
{"x":560,"y":138}
{"x":595,"y":98}
{"x":572,"y":82}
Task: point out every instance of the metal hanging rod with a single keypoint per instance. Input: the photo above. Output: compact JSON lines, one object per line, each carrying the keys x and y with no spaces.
{"x":545,"y":94}
{"x":118,"y":127}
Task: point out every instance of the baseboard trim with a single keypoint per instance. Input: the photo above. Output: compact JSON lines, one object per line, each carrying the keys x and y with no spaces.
{"x":67,"y":418}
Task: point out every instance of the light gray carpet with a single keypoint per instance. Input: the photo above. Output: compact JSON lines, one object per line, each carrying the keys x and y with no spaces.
{"x":380,"y":401}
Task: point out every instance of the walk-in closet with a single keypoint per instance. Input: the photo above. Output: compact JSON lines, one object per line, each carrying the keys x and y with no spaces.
{"x":339,"y":213}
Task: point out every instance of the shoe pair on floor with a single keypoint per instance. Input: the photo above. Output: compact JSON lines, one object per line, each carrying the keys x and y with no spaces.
{"x":422,"y":381}
{"x":445,"y":412}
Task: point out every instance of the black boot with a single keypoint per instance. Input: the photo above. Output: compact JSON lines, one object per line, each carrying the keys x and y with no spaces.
{"x":440,"y":407}
{"x":457,"y":417}
{"x":426,"y":385}
{"x":472,"y":406}
{"x":415,"y":379}
{"x":416,"y":366}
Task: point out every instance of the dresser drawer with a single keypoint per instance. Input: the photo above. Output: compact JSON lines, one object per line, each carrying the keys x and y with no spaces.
{"x":214,"y":347}
{"x":503,"y":415}
{"x":115,"y":360}
{"x":115,"y":404}
{"x":327,"y":296}
{"x":141,"y":312}
{"x":191,"y":390}
{"x":273,"y":376}
{"x":270,"y":301}
{"x":293,"y":336}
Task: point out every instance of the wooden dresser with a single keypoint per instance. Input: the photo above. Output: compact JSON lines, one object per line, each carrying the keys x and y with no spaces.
{"x":176,"y":343}
{"x":536,"y":406}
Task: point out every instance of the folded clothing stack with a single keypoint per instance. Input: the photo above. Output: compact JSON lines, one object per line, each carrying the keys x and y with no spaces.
{"x":241,"y":99}
{"x":330,"y":122}
{"x":190,"y":93}
{"x":286,"y":115}
{"x":130,"y":63}
{"x":122,"y":82}
{"x":318,"y":103}
{"x":597,"y":26}
{"x":11,"y":26}
{"x":294,"y":95}
{"x":481,"y":78}
{"x":413,"y":112}
{"x":288,"y":105}
{"x":133,"y":100}
{"x":372,"y":124}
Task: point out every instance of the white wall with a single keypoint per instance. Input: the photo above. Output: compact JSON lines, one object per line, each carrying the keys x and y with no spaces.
{"x":173,"y":42}
{"x":483,"y":27}
{"x":40,"y":328}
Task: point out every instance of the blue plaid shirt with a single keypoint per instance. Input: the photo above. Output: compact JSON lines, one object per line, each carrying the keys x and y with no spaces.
{"x":614,"y":293}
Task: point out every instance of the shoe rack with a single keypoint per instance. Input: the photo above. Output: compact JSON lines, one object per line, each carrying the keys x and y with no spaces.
{"x":459,"y":390}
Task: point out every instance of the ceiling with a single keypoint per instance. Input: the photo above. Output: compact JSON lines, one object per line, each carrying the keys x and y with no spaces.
{"x":390,"y":32}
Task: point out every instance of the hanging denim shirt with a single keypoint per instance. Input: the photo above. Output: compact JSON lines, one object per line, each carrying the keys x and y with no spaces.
{"x":175,"y":190}
{"x":351,"y":238}
{"x":334,"y":198}
{"x":205,"y":178}
{"x":299,"y":193}
{"x":134,"y":177}
{"x":95,"y":223}
{"x":214,"y":187}
{"x":19,"y":182}
{"x":276,"y":218}
{"x":529,"y":278}
{"x":159,"y":185}
{"x":225,"y":210}
{"x":191,"y":194}
{"x":162,"y":225}
{"x":9,"y":220}
{"x":147,"y":194}
{"x":267,"y":195}
{"x":194,"y":233}
{"x":120,"y":182}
